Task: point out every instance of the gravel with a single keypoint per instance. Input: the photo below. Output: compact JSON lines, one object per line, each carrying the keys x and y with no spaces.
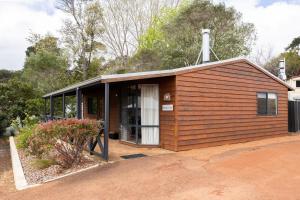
{"x":36,"y":176}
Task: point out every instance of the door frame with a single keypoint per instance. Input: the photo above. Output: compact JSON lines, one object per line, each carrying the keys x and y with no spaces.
{"x":136,"y":110}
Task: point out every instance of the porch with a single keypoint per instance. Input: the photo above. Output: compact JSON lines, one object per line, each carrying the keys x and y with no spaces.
{"x":118,"y":149}
{"x":129,"y":110}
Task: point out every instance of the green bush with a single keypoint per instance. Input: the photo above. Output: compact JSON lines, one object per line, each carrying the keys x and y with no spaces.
{"x":23,"y":137}
{"x":58,"y":134}
{"x":26,"y":128}
{"x":30,"y":120}
{"x":3,"y":123}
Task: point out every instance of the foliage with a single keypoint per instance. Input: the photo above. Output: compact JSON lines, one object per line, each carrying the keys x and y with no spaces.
{"x":294,"y":46}
{"x":81,"y":32}
{"x":5,"y":75}
{"x":292,"y":60}
{"x":13,"y":98}
{"x":45,"y":66}
{"x":58,"y":134}
{"x":30,"y":120}
{"x":3,"y":123}
{"x":43,"y":163}
{"x":16,"y":124}
{"x":174,"y":39}
{"x":23,"y":137}
{"x":26,"y":128}
{"x":34,"y":107}
{"x":124,"y":21}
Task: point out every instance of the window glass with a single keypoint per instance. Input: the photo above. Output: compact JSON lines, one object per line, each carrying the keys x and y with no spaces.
{"x":266,"y":103}
{"x":297,"y":83}
{"x":272,"y":104}
{"x":261,"y":103}
{"x":92,"y":105}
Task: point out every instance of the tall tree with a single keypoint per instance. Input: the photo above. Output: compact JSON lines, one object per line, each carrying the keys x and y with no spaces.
{"x":81,"y":32}
{"x":295,"y":45}
{"x":292,"y":60}
{"x":174,"y":39}
{"x":5,"y":75}
{"x":124,"y":21}
{"x":45,"y":66}
{"x":15,"y":96}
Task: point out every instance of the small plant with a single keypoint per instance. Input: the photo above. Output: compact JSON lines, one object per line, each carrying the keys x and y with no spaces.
{"x":23,"y":137}
{"x":43,"y":163}
{"x":25,"y":129}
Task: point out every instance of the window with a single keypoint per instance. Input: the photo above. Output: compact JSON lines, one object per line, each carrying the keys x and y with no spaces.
{"x":297,"y":83}
{"x":92,"y":105}
{"x":266,"y":103}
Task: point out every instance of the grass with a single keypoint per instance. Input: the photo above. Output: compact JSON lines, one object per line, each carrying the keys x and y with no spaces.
{"x":43,"y":163}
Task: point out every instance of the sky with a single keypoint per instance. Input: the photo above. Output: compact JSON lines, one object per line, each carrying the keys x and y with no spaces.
{"x":276,"y":22}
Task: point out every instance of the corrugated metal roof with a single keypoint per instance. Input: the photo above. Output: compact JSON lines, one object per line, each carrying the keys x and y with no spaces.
{"x":160,"y":73}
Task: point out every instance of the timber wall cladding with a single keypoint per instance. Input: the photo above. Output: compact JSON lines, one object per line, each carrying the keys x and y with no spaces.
{"x":217,"y":106}
{"x":114,"y":107}
{"x":85,"y":105}
{"x":167,"y":118}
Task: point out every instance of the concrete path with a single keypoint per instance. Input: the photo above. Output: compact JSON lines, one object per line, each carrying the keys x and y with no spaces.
{"x":6,"y":175}
{"x":267,"y":169}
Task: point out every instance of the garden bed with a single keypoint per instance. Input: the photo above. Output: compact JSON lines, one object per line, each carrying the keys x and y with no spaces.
{"x":35,"y":173}
{"x":54,"y":149}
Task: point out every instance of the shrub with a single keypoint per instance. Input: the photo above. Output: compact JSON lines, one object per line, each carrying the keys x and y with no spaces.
{"x":3,"y":123}
{"x":30,"y":120}
{"x":38,"y":145}
{"x":43,"y":163}
{"x":24,"y":135}
{"x":16,"y":124}
{"x":67,"y":137}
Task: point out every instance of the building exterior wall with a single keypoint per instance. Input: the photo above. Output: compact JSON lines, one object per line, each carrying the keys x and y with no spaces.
{"x":294,"y":95}
{"x":167,"y":118}
{"x":217,"y":106}
{"x":114,"y":107}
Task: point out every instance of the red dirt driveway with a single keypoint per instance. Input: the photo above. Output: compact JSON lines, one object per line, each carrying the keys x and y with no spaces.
{"x":267,"y":169}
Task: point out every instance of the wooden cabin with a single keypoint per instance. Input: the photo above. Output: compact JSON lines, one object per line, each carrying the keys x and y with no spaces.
{"x":216,"y":103}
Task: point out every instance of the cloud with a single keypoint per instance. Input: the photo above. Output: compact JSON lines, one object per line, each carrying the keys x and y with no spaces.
{"x":18,"y":20}
{"x":275,"y":21}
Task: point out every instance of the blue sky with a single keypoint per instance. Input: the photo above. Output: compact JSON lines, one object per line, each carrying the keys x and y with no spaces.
{"x":265,"y":3}
{"x":275,"y":22}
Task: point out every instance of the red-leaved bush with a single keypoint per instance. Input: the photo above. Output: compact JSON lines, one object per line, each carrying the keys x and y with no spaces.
{"x":67,"y":137}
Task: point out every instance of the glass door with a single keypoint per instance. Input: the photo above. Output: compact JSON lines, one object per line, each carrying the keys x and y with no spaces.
{"x":130,"y":117}
{"x":140,"y":114}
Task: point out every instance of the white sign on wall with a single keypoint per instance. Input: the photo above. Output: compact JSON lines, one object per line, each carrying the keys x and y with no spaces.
{"x":167,"y":107}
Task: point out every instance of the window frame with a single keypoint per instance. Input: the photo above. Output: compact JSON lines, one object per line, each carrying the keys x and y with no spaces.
{"x":267,"y":98}
{"x":88,"y":105}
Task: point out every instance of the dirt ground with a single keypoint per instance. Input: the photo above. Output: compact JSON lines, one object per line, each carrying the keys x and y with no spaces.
{"x":6,"y":175}
{"x":267,"y":169}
